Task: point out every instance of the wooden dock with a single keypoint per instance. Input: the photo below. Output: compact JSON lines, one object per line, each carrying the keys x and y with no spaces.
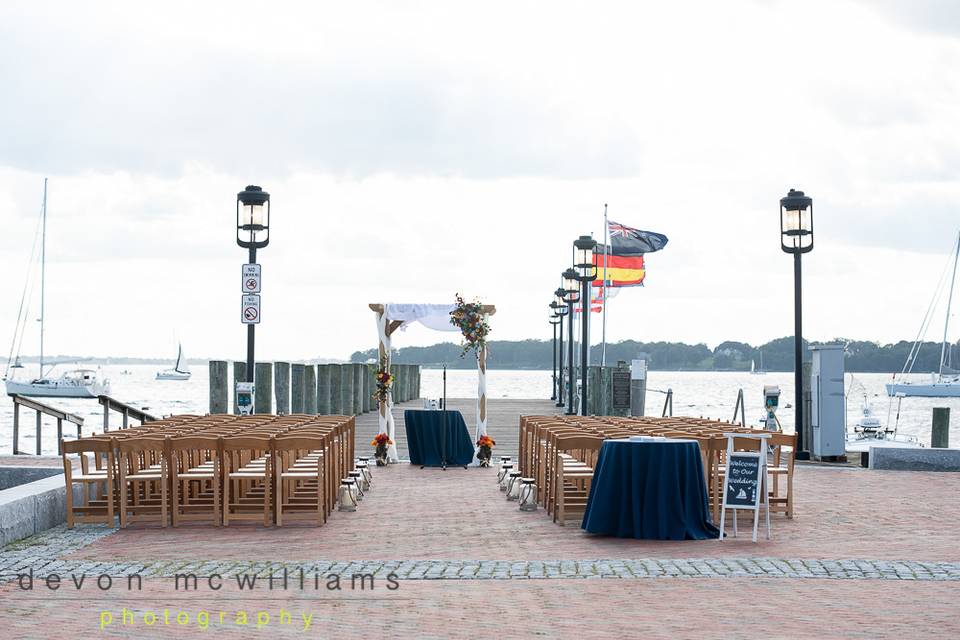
{"x":503,"y":422}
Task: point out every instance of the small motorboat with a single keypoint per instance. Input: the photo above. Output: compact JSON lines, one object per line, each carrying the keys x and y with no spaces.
{"x":868,"y":432}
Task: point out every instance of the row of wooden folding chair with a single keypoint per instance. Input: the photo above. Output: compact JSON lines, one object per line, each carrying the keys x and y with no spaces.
{"x":133,"y":472}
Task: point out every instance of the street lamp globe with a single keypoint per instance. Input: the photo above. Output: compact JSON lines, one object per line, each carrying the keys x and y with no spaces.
{"x":796,"y":222}
{"x":584,"y":246}
{"x":571,"y":286}
{"x":253,"y":218}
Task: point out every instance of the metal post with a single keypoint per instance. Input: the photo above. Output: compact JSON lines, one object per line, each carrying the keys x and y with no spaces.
{"x":584,"y":343}
{"x":16,"y":425}
{"x":801,"y":453}
{"x":39,"y":427}
{"x":570,"y":371}
{"x":250,"y":337}
{"x":553,"y":349}
{"x":560,"y":364}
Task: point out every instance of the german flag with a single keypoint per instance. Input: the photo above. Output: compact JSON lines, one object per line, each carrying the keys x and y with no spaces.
{"x":622,"y":271}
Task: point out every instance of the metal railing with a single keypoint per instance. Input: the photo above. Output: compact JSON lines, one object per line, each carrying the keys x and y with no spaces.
{"x":41,"y":409}
{"x":127,"y":411}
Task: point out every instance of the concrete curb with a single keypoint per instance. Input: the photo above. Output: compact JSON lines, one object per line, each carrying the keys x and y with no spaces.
{"x":906,"y":459}
{"x":34,"y":507}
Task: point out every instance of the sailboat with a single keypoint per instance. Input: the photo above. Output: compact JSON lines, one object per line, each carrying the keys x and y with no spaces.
{"x":946,"y":382}
{"x":78,"y":383}
{"x":180,"y":371}
{"x":754,"y":370}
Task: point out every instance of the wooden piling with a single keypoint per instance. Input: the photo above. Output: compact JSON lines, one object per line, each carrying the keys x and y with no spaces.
{"x":336,"y":389}
{"x":219,"y":397}
{"x":296,"y":388}
{"x":940,"y":436}
{"x":323,"y":389}
{"x":346,"y":389}
{"x":263,"y":389}
{"x":357,"y":388}
{"x":281,"y":376}
{"x":310,"y":389}
{"x":239,"y":375}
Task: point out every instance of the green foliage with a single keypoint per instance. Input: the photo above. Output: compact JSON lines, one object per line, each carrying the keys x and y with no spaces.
{"x":861,"y":356}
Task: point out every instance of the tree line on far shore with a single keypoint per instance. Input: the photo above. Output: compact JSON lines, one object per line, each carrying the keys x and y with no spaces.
{"x":777,"y":355}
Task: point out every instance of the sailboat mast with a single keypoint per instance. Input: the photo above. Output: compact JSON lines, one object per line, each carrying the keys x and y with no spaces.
{"x":43,"y":271}
{"x":946,"y":322}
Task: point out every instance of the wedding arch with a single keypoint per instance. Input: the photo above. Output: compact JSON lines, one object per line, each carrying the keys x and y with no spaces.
{"x":391,"y":317}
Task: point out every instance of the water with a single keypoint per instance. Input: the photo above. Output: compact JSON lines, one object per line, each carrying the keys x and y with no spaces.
{"x":695,"y":393}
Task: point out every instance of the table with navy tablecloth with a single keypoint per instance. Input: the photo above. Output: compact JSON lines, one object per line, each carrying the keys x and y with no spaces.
{"x":431,"y":433}
{"x":649,"y":489}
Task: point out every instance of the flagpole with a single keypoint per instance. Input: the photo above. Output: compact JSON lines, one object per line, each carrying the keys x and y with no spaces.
{"x":606,"y":299}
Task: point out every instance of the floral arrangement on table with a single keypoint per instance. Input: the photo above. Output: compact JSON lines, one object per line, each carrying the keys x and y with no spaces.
{"x":485,"y":452}
{"x":381,"y":441}
{"x":384,"y":381}
{"x":469,"y":318}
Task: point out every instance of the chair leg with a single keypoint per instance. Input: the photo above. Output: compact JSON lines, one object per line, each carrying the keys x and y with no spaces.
{"x":123,"y":501}
{"x":175,"y":499}
{"x":69,"y":504}
{"x":163,"y":500}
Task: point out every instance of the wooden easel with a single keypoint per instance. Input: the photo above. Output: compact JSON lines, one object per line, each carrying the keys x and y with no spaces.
{"x":761,"y":497}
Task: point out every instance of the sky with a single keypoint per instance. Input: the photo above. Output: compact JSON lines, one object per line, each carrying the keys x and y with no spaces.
{"x":415,"y":150}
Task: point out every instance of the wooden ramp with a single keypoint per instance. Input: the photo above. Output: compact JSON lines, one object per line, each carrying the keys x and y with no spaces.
{"x":503,"y":421}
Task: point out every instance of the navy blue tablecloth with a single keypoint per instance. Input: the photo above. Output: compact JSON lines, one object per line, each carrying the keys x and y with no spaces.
{"x":425,"y":431}
{"x":652,"y":490}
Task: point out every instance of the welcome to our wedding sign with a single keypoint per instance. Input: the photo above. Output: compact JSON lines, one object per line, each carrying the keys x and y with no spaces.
{"x":745,"y":482}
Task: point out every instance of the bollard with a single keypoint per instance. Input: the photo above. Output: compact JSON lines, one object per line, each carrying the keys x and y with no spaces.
{"x":281,"y":375}
{"x":357,"y":388}
{"x":310,"y":389}
{"x":940,"y":436}
{"x":346,"y":389}
{"x":336,"y":389}
{"x":296,"y":388}
{"x":263,"y":387}
{"x":239,"y":375}
{"x":219,"y":398}
{"x":323,"y":389}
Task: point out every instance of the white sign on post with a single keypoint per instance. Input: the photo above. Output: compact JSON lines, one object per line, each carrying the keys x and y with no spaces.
{"x":745,"y":482}
{"x":250,"y":278}
{"x":250,"y":309}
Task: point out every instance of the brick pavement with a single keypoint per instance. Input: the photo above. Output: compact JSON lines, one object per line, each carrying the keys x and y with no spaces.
{"x":869,"y":554}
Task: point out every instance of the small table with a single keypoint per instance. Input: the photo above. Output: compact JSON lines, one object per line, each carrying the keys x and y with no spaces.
{"x":437,"y":438}
{"x":649,"y":489}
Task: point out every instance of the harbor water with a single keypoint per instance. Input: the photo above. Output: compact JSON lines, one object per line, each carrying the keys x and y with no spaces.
{"x":695,"y":393}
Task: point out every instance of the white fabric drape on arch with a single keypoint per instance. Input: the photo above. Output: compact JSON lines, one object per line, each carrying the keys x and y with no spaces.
{"x":432,"y":316}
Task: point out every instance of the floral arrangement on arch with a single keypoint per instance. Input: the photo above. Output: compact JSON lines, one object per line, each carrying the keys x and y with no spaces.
{"x":381,"y":441}
{"x":485,"y":452}
{"x":469,"y":318}
{"x":384,"y":381}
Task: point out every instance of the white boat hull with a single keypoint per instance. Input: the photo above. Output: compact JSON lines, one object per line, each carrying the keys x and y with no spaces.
{"x":925,"y":390}
{"x":56,"y":389}
{"x":173,"y":375}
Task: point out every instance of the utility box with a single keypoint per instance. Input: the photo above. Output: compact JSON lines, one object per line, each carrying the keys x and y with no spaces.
{"x":828,"y":419}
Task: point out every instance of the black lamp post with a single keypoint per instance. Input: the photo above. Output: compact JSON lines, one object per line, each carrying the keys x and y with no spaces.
{"x":571,"y":295}
{"x":586,"y":274}
{"x":560,"y":310}
{"x":554,"y":321}
{"x":253,"y":232}
{"x":796,"y":237}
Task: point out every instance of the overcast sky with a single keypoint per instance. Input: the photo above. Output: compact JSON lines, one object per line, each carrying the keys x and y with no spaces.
{"x":414,"y":150}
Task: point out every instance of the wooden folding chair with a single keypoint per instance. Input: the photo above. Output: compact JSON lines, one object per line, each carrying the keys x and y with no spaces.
{"x":574,"y":464}
{"x":195,"y":474}
{"x":90,"y":479}
{"x":299,"y":464}
{"x":143,"y":480}
{"x":247,"y":474}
